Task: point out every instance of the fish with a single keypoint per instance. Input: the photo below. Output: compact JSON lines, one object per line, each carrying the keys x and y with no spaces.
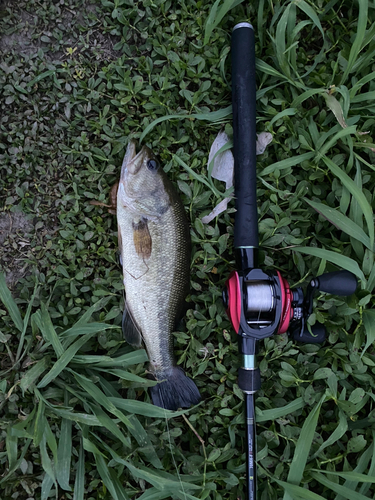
{"x":154,"y":248}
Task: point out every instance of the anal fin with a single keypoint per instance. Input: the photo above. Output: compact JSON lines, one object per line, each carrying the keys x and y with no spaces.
{"x":131,"y":332}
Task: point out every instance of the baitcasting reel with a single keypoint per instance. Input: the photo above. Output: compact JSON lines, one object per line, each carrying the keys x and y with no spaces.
{"x":262,"y":303}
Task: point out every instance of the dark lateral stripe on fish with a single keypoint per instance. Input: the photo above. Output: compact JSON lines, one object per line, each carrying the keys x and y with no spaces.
{"x":142,"y":239}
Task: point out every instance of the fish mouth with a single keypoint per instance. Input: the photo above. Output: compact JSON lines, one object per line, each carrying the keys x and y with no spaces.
{"x":132,"y":160}
{"x":129,"y":156}
{"x":134,"y":165}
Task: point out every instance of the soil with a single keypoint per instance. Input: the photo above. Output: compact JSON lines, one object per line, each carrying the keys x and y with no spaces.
{"x":15,"y":236}
{"x":23,"y":39}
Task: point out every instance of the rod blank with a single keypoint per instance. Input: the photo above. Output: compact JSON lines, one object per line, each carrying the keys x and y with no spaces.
{"x":251,"y":447}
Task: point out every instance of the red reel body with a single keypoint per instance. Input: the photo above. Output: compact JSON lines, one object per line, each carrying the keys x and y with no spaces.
{"x":234,"y":301}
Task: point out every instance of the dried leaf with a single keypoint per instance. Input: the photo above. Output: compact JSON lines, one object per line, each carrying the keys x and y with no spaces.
{"x":223,"y":166}
{"x":263,"y":139}
{"x":220,"y":207}
{"x":223,"y":163}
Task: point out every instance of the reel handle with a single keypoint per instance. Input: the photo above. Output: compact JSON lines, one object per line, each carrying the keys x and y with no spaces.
{"x":318,"y":335}
{"x":244,"y":136}
{"x":341,"y":283}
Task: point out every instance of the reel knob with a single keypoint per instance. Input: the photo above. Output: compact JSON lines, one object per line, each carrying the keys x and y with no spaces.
{"x":341,"y":283}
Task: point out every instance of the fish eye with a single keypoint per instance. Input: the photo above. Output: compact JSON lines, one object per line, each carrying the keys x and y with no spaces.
{"x":152,"y":165}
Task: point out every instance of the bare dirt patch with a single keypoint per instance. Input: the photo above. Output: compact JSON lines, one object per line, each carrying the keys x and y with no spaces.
{"x":15,"y":237}
{"x":31,"y":34}
{"x":34,"y":34}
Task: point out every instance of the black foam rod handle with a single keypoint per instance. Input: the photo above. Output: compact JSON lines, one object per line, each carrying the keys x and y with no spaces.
{"x":244,"y":136}
{"x":337,"y":283}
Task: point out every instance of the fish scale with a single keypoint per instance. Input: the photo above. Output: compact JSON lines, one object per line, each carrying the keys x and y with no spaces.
{"x":155,"y":285}
{"x":155,"y":249}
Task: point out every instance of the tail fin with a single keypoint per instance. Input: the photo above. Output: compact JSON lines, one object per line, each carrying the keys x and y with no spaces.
{"x":175,"y":391}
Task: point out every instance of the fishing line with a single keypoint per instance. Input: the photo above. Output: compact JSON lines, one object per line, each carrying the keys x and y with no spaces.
{"x":137,"y":278}
{"x":260,"y":297}
{"x":170,"y":447}
{"x":165,"y":413}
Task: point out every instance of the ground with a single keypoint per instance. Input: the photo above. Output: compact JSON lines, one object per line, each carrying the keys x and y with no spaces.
{"x":39,"y":34}
{"x":77,"y":80}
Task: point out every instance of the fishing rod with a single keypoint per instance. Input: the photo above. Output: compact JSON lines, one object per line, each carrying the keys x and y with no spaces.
{"x":260,"y":302}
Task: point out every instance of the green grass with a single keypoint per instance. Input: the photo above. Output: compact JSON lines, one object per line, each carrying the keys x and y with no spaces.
{"x":77,"y":79}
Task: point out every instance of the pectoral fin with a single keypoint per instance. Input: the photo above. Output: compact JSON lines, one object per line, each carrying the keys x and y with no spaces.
{"x":142,"y":238}
{"x":119,"y":239}
{"x":113,"y":197}
{"x":130,"y":330}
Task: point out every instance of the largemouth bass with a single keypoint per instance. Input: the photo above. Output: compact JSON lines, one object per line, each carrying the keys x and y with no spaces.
{"x":154,"y":245}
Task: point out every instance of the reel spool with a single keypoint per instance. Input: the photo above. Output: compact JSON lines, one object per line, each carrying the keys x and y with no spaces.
{"x":260,"y":303}
{"x":263,"y":300}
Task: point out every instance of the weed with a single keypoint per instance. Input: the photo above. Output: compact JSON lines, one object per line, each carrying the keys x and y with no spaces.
{"x":77,"y":79}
